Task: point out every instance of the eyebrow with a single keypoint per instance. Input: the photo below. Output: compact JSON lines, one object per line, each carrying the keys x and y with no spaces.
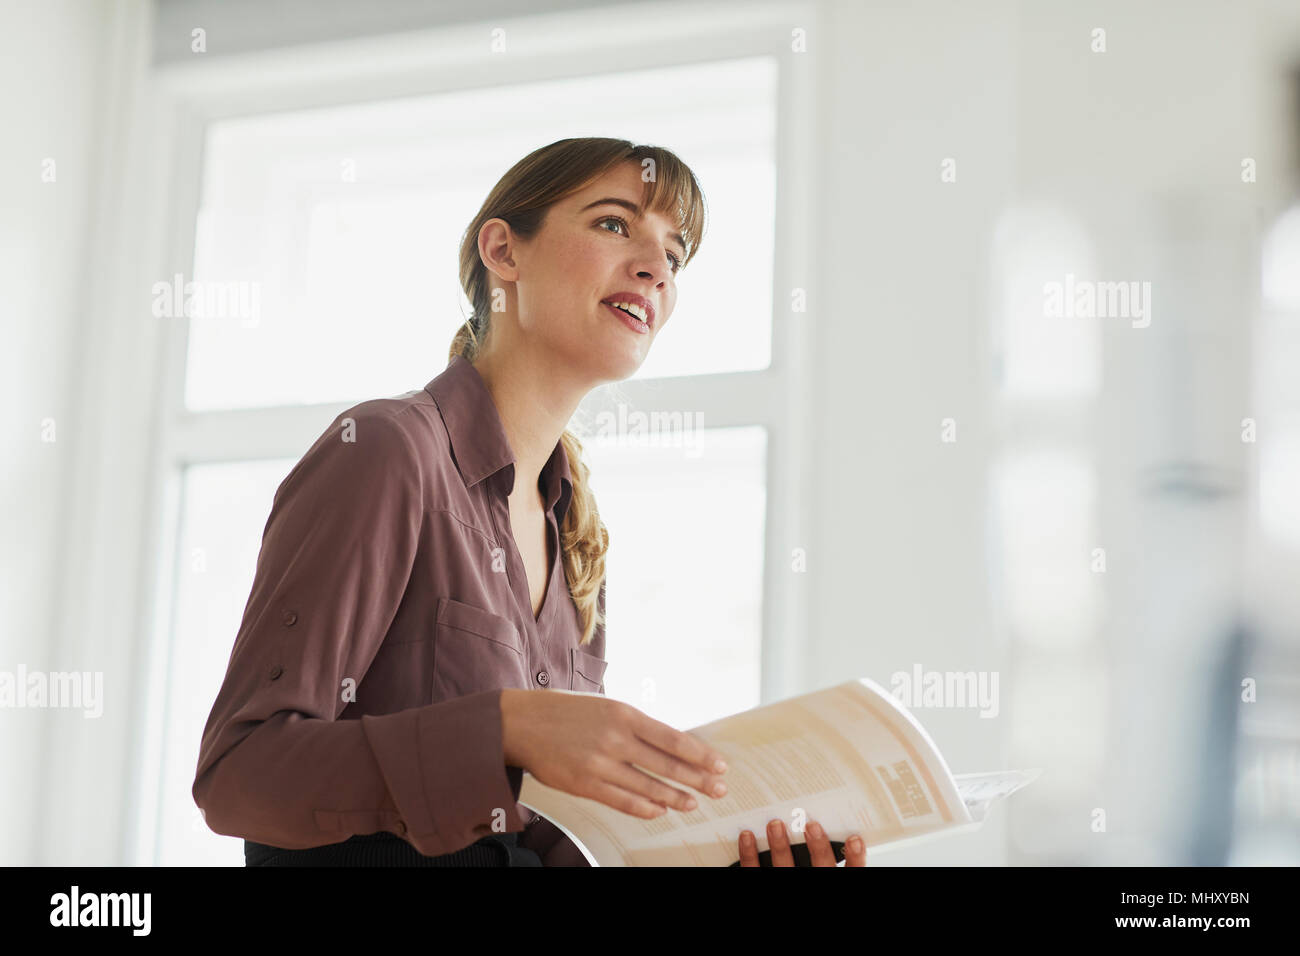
{"x":636,"y":211}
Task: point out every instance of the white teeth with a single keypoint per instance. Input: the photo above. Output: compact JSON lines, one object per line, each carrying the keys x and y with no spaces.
{"x":636,"y":310}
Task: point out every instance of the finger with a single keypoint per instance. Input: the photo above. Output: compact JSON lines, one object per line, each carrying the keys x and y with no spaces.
{"x":779,"y":843}
{"x":670,"y":769}
{"x":702,"y":761}
{"x":637,"y":781}
{"x":819,"y":845}
{"x":630,"y":803}
{"x":855,"y":851}
{"x":658,"y":766}
{"x":748,"y":849}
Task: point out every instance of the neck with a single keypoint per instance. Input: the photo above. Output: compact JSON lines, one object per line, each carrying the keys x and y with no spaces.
{"x":535,"y":404}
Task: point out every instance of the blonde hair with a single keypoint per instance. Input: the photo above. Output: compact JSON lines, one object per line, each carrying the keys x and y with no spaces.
{"x":522,"y":197}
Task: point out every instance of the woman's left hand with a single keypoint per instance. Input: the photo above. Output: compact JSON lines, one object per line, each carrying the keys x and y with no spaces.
{"x":819,"y":847}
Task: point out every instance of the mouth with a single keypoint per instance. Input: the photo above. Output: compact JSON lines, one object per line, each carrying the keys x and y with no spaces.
{"x":637,"y":308}
{"x":628,"y":319}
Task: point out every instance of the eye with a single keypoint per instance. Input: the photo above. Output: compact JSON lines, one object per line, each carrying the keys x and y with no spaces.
{"x":677,"y":263}
{"x":617,"y":219}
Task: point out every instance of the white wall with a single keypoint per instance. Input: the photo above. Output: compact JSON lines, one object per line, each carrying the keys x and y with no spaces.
{"x":54,"y":107}
{"x":1153,"y":126}
{"x":899,"y":574}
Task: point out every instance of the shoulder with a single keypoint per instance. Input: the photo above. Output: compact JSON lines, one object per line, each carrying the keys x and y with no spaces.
{"x":395,"y":442}
{"x":411,"y":418}
{"x":405,"y":427}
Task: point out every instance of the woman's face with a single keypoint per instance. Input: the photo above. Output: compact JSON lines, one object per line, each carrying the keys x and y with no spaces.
{"x":590,"y":252}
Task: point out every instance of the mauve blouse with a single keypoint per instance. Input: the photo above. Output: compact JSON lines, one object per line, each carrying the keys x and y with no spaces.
{"x":389,"y":608}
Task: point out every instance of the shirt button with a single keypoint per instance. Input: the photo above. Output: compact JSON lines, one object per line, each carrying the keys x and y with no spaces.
{"x":290,"y":618}
{"x":543,"y":678}
{"x":401,"y":826}
{"x":276,"y":671}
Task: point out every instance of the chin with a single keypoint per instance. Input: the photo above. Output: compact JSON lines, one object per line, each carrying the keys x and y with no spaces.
{"x":622,"y":367}
{"x":609,"y":360}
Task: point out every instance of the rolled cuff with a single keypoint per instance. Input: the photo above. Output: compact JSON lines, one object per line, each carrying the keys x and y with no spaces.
{"x":445,"y":769}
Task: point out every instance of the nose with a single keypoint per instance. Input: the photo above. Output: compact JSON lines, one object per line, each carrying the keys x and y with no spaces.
{"x":652,"y":264}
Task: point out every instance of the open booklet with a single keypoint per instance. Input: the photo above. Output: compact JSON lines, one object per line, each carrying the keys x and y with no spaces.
{"x":850,"y":757}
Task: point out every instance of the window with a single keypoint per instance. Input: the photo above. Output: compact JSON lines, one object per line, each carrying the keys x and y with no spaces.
{"x":339,"y":228}
{"x":1267,"y":771}
{"x":325,"y":243}
{"x":684,"y":600}
{"x":223,"y":513}
{"x":1277,"y":394}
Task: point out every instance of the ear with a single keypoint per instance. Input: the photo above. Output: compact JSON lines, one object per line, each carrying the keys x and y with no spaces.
{"x":496,"y":245}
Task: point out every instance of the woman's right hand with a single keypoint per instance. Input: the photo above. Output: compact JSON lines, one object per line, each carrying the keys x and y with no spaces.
{"x":586,"y":745}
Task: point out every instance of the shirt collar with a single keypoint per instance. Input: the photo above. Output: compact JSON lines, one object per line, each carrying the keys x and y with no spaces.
{"x":479,"y":445}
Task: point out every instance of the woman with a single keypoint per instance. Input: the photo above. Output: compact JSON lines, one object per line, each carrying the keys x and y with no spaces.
{"x":435,"y":564}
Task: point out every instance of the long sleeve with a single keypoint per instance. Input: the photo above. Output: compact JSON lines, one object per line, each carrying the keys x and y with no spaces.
{"x":276,"y":765}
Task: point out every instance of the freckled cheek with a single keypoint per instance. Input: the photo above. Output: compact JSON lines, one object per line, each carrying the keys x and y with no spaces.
{"x":574,"y":268}
{"x":584,"y":254}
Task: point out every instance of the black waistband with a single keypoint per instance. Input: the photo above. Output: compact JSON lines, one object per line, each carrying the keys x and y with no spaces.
{"x":388,"y":849}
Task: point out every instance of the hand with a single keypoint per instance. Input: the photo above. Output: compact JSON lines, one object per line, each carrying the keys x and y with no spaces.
{"x":819,"y":847}
{"x":586,"y":745}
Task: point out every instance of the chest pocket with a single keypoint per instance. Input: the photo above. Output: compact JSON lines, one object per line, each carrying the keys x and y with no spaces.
{"x":588,"y":671}
{"x":474,"y":650}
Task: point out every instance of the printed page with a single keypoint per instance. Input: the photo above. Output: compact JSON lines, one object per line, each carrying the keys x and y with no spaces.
{"x":979,"y":791}
{"x":986,"y":787}
{"x":849,"y":756}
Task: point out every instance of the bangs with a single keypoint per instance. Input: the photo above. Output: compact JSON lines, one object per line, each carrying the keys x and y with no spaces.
{"x":675,"y":192}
